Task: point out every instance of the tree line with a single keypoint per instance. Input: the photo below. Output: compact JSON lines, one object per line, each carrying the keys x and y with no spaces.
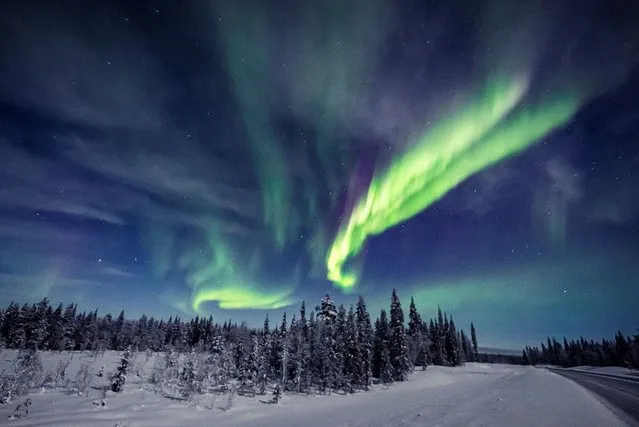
{"x":620,"y":351}
{"x":332,"y":348}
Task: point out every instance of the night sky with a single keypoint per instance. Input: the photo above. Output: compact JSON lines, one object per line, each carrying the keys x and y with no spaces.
{"x":237,"y":157}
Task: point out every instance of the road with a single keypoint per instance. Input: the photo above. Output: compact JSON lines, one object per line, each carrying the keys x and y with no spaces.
{"x":621,"y":394}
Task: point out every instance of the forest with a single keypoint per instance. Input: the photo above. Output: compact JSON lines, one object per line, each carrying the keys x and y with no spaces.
{"x":621,"y":351}
{"x":326,"y":349}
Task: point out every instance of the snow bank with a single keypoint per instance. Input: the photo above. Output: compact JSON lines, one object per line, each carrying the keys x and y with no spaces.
{"x":473,"y":395}
{"x":610,"y":370}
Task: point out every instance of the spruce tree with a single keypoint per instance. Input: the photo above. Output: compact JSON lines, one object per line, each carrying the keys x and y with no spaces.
{"x":326,"y":347}
{"x":264,"y":358}
{"x":437,"y":353}
{"x":415,"y":337}
{"x":353,"y":361}
{"x":340,"y":349}
{"x":465,"y":347}
{"x":381,"y":342}
{"x":306,"y":370}
{"x":473,"y":338}
{"x":119,"y":378}
{"x":294,"y":365}
{"x":398,"y":344}
{"x":364,"y":341}
{"x":451,"y":344}
{"x":386,"y":367}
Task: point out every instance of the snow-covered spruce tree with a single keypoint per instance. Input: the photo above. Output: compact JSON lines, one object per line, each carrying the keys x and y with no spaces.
{"x":385,"y":367}
{"x":437,"y":350}
{"x":398,"y":343}
{"x":415,"y":337}
{"x":327,"y":346}
{"x":248,"y":368}
{"x":69,"y":326}
{"x":279,"y":352}
{"x":119,"y":377}
{"x":239,"y":357}
{"x":364,"y":341}
{"x":264,"y":358}
{"x":55,"y":329}
{"x":460,"y":350}
{"x":353,"y":362}
{"x":381,"y":341}
{"x":220,"y":367}
{"x":473,"y":338}
{"x":340,"y":373}
{"x":451,"y":344}
{"x":305,"y":368}
{"x":294,"y":361}
{"x":15,"y":326}
{"x":189,"y":383}
{"x":37,"y":325}
{"x":465,"y":347}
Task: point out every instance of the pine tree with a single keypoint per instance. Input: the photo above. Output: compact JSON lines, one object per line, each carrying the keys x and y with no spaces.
{"x":398,"y":344}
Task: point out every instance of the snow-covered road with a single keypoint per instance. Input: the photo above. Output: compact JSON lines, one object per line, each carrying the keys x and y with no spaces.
{"x":474,"y":395}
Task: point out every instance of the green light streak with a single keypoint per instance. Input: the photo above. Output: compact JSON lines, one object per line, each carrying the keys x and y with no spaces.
{"x":247,"y":44}
{"x":453,"y":150}
{"x":240,"y":297}
{"x":214,"y":278}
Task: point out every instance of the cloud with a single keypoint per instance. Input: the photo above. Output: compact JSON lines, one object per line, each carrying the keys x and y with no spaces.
{"x":48,"y":283}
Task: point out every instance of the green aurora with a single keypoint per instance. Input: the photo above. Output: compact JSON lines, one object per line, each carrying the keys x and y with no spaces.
{"x":319,"y":70}
{"x":488,"y":130}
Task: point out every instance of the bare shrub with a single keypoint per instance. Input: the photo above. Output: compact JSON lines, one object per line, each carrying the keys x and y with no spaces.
{"x":60,"y":376}
{"x":82,"y":379}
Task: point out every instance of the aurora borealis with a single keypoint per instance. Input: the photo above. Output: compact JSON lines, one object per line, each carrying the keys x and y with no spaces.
{"x":234,"y":158}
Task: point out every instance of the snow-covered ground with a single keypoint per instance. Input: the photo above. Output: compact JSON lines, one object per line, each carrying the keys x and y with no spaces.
{"x":474,"y":395}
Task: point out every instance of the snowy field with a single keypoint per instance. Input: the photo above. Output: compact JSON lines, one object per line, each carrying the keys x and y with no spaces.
{"x":474,"y":395}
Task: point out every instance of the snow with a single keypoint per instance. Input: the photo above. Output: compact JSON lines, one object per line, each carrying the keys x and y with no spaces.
{"x":473,"y":395}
